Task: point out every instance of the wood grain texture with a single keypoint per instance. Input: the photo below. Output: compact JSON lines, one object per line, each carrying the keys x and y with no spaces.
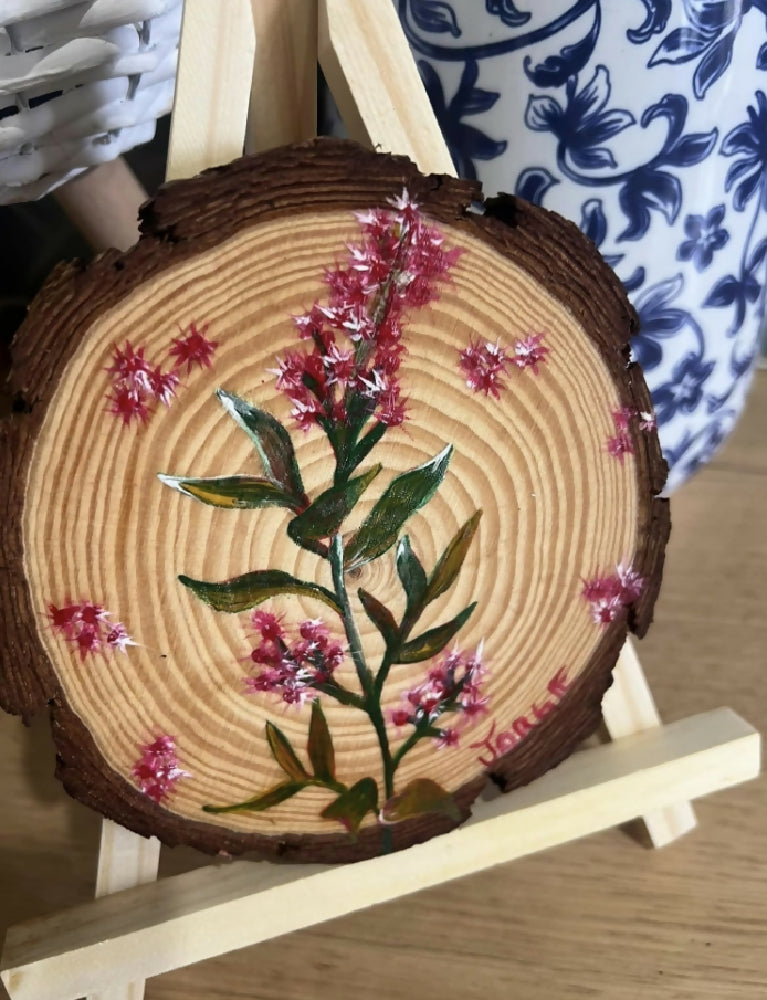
{"x":596,"y":918}
{"x":560,"y":280}
{"x":376,"y":84}
{"x":215,"y":69}
{"x":283,"y":101}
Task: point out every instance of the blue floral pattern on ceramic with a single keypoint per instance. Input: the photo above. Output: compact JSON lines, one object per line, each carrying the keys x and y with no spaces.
{"x":646,"y":122}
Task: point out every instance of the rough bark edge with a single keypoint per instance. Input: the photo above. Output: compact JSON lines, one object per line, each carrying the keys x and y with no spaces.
{"x":190,"y":217}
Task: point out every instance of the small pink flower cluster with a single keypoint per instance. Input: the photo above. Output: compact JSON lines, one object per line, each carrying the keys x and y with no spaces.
{"x":453,"y":684}
{"x":87,"y":626}
{"x":485,"y":365}
{"x":137,"y":385}
{"x":609,"y":596}
{"x":397,"y":265}
{"x":621,"y":444}
{"x":157,"y":770}
{"x":293,"y":668}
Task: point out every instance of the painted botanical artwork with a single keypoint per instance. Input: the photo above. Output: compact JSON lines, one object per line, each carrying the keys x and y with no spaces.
{"x":345,"y":381}
{"x":356,"y":487}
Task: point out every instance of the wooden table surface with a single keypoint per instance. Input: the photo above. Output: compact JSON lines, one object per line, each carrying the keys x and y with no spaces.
{"x":601,"y":918}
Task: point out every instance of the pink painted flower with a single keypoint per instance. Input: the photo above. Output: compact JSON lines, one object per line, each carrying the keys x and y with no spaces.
{"x":129,"y":366}
{"x":163,"y":385}
{"x":137,"y":385}
{"x":157,"y":770}
{"x":293,"y":667}
{"x":609,"y":596}
{"x":447,"y":738}
{"x":620,"y":445}
{"x":622,"y":418}
{"x":352,"y":371}
{"x":129,"y":405}
{"x":632,"y":584}
{"x":193,"y":347}
{"x":87,"y":626}
{"x":530,"y":352}
{"x":647,"y":421}
{"x":452,"y":685}
{"x":484,"y":366}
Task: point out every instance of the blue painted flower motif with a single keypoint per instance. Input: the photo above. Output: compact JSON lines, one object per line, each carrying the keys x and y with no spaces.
{"x":658,"y":320}
{"x":747,"y":141}
{"x":435,"y":16}
{"x":465,"y":142}
{"x":705,"y":236}
{"x":533,"y":183}
{"x":708,"y":36}
{"x":651,"y":188}
{"x":685,"y":390}
{"x":508,"y":12}
{"x":658,"y":13}
{"x":583,"y":124}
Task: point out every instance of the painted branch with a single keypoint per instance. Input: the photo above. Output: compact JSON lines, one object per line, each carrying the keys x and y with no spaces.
{"x":394,"y":727}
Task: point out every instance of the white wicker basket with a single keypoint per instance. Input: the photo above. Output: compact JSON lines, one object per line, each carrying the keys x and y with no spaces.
{"x":80,"y":82}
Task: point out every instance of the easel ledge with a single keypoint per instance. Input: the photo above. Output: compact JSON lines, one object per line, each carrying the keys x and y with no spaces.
{"x":156,"y":928}
{"x":140,"y":928}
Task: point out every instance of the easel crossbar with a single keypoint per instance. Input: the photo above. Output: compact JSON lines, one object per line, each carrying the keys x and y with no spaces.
{"x":152,"y":929}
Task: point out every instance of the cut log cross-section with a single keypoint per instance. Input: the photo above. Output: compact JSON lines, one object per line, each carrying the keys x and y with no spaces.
{"x":332,"y":498}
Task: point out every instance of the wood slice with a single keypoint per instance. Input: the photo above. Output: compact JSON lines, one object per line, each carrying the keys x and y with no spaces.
{"x":324,"y":648}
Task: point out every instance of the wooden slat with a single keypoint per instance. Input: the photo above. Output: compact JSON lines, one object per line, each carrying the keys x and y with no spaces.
{"x":283,"y":102}
{"x":155,"y":928}
{"x":629,"y":708}
{"x":212,"y":86}
{"x":208,"y":127}
{"x":372,"y":75}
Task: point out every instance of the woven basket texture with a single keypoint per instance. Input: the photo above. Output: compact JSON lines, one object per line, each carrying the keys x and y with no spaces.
{"x":80,"y":83}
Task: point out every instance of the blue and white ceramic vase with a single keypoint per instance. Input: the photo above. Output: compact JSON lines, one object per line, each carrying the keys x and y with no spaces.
{"x":646,"y":122}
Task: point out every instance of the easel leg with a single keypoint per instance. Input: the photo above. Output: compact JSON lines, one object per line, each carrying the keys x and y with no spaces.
{"x":125,"y":860}
{"x":629,"y":708}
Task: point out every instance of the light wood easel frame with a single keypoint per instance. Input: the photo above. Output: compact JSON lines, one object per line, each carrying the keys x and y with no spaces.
{"x":139,"y":927}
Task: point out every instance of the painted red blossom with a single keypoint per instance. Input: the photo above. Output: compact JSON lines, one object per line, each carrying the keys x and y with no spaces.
{"x":88,"y":627}
{"x":137,"y":385}
{"x":157,"y":770}
{"x":485,"y":365}
{"x":621,"y":443}
{"x":297,"y":667}
{"x":453,"y":685}
{"x":193,"y":348}
{"x":530,"y":352}
{"x":609,"y":596}
{"x":339,"y":383}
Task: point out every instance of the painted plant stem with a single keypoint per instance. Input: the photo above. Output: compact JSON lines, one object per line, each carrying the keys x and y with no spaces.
{"x":372,"y":702}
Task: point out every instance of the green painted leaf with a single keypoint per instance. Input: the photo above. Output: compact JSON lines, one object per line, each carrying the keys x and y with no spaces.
{"x":233,"y":492}
{"x":330,"y":509}
{"x":411,"y":573}
{"x":284,"y":754}
{"x":351,"y":807}
{"x":401,"y":499}
{"x":421,"y":796}
{"x":272,"y":442}
{"x":428,"y":644}
{"x":380,"y":616}
{"x":449,"y":566}
{"x":244,"y":592}
{"x":320,"y":746}
{"x":267,"y":800}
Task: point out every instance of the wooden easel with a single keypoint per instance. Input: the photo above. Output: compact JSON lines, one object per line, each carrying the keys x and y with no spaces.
{"x":140,"y":928}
